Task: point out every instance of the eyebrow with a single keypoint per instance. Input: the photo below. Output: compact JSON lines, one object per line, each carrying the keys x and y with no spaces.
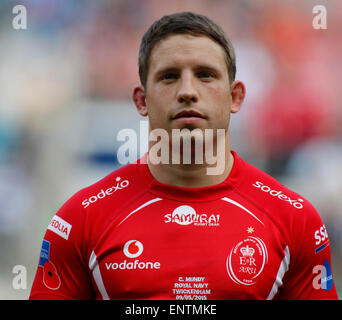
{"x":196,"y":68}
{"x":166,"y":70}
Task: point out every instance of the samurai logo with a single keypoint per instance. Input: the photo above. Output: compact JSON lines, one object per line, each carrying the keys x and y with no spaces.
{"x":186,"y":215}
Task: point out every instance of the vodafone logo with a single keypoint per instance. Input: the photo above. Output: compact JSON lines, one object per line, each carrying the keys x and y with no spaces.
{"x":133,"y":249}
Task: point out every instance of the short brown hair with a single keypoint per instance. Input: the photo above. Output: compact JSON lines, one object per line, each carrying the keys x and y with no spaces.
{"x":184,"y":23}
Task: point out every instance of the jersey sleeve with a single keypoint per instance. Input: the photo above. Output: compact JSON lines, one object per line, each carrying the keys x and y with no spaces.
{"x":62,"y":268}
{"x":310,"y":274}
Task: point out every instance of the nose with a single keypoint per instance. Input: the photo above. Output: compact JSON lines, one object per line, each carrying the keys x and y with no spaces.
{"x":187,"y":92}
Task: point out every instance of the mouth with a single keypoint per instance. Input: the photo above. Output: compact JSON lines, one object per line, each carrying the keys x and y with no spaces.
{"x":188,"y":115}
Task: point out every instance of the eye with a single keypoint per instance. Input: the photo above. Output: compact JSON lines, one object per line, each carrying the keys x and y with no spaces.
{"x":169,"y":76}
{"x":205,"y":74}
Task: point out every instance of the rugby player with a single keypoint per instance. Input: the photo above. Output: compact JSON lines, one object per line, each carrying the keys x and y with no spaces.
{"x":174,"y":230}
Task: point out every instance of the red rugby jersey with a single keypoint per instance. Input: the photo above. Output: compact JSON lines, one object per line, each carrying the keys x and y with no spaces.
{"x":130,"y":237}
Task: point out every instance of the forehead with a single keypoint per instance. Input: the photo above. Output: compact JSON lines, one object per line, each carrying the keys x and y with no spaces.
{"x":181,"y":49}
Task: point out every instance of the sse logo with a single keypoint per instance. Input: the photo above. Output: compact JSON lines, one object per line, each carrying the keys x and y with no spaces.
{"x":321,"y":237}
{"x":324,"y":279}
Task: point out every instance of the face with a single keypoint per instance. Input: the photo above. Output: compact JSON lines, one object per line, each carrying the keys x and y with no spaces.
{"x":188,"y":86}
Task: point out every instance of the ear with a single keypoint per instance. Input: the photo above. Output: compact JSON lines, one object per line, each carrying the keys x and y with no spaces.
{"x":238,"y":92}
{"x":139,"y":98}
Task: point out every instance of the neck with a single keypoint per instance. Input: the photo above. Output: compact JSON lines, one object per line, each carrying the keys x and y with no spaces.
{"x":213,"y":171}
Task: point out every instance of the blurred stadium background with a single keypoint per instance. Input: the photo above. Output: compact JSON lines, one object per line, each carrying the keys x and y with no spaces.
{"x":65,"y":92}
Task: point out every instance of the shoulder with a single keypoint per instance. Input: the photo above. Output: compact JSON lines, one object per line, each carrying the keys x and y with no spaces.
{"x":295,"y":218}
{"x":273,"y":196}
{"x":116,"y":187}
{"x":116,"y":184}
{"x":84,"y":215}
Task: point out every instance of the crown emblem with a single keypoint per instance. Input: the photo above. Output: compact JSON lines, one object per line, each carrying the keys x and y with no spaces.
{"x":247,"y":251}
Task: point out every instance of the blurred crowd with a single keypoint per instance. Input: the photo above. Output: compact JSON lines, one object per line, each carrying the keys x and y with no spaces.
{"x":65,"y":91}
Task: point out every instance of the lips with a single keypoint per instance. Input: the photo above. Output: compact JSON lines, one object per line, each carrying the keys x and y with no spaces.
{"x":188,"y":114}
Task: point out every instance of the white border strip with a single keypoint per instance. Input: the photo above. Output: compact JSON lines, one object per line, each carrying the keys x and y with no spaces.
{"x":142,"y":206}
{"x":283,"y":268}
{"x":93,"y":265}
{"x":242,"y":207}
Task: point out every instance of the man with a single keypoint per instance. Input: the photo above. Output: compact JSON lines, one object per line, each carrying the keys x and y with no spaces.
{"x":167,"y":229}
